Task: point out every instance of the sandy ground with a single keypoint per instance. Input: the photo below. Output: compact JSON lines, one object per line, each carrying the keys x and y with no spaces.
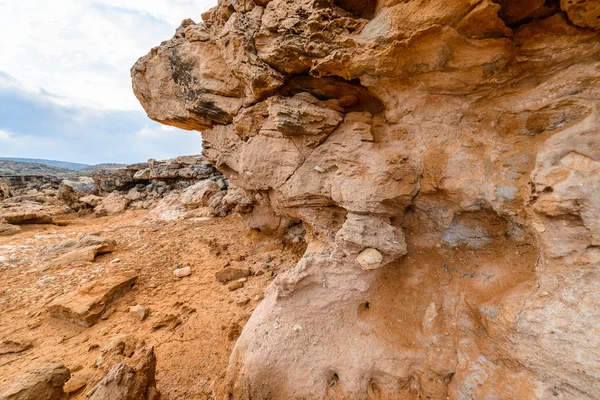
{"x":193,"y":321}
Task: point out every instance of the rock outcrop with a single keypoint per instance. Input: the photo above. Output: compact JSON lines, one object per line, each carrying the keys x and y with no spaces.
{"x":44,"y":382}
{"x":444,"y":159}
{"x":131,"y":380}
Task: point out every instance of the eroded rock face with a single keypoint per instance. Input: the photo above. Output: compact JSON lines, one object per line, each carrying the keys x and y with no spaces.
{"x":443,"y":158}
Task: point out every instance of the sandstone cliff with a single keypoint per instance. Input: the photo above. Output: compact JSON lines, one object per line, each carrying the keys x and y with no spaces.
{"x":444,"y":158}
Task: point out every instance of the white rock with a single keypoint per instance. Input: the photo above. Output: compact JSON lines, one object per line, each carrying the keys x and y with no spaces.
{"x":116,"y":260}
{"x":319,"y":169}
{"x":181,"y":272}
{"x":369,"y":259}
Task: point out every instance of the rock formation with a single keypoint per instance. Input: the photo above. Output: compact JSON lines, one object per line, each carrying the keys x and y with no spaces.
{"x":43,"y":382}
{"x":444,"y":159}
{"x":133,"y":380}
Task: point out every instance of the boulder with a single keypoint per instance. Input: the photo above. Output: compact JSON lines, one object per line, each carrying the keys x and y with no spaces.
{"x":199,"y":194}
{"x":113,"y":204}
{"x":91,"y":200}
{"x":71,"y":191}
{"x":44,"y":382}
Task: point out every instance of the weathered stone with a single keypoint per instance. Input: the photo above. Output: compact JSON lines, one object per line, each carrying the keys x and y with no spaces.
{"x":44,"y":382}
{"x":9,"y":230}
{"x":199,"y":194}
{"x":71,"y":251}
{"x":14,"y":347}
{"x":139,"y":312}
{"x":71,"y":191}
{"x":85,"y":306}
{"x":113,"y":204}
{"x":131,"y":380}
{"x":91,"y":200}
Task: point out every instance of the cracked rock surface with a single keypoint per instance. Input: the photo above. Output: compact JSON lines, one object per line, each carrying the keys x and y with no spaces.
{"x":444,"y":159}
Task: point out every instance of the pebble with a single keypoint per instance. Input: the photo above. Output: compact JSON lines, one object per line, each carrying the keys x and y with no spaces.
{"x":243,"y":280}
{"x":319,"y":169}
{"x":297,"y":328}
{"x":369,"y":259}
{"x":116,"y":260}
{"x":182,"y":272}
{"x":153,"y":286}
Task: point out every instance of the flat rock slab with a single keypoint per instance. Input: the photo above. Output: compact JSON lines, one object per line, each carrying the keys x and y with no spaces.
{"x":8,"y":229}
{"x":72,"y":251}
{"x":44,"y":382}
{"x":85,"y":306}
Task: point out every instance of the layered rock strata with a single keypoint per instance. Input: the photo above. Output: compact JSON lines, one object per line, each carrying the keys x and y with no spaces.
{"x":444,"y":158}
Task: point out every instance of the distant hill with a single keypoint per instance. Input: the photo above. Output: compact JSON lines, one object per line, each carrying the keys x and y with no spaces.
{"x":52,"y":163}
{"x":15,"y":168}
{"x":107,"y":166}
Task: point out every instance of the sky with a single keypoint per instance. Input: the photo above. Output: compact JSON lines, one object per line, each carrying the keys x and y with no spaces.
{"x":65,"y":89}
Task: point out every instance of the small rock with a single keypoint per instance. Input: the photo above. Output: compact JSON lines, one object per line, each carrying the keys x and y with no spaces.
{"x":297,"y":328}
{"x":369,"y":259}
{"x":139,"y":312}
{"x":242,"y":302}
{"x":116,"y":260}
{"x":243,"y":280}
{"x":235,"y":286}
{"x":319,"y":169}
{"x":231,"y":274}
{"x":182,"y":272}
{"x":153,"y":286}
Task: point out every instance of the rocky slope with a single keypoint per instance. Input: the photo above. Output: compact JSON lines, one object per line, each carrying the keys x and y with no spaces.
{"x":118,"y":287}
{"x":444,"y":159}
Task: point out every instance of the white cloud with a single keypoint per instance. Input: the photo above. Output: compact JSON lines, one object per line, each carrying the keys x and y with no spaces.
{"x":81,"y":50}
{"x":156,"y":131}
{"x":5,"y":135}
